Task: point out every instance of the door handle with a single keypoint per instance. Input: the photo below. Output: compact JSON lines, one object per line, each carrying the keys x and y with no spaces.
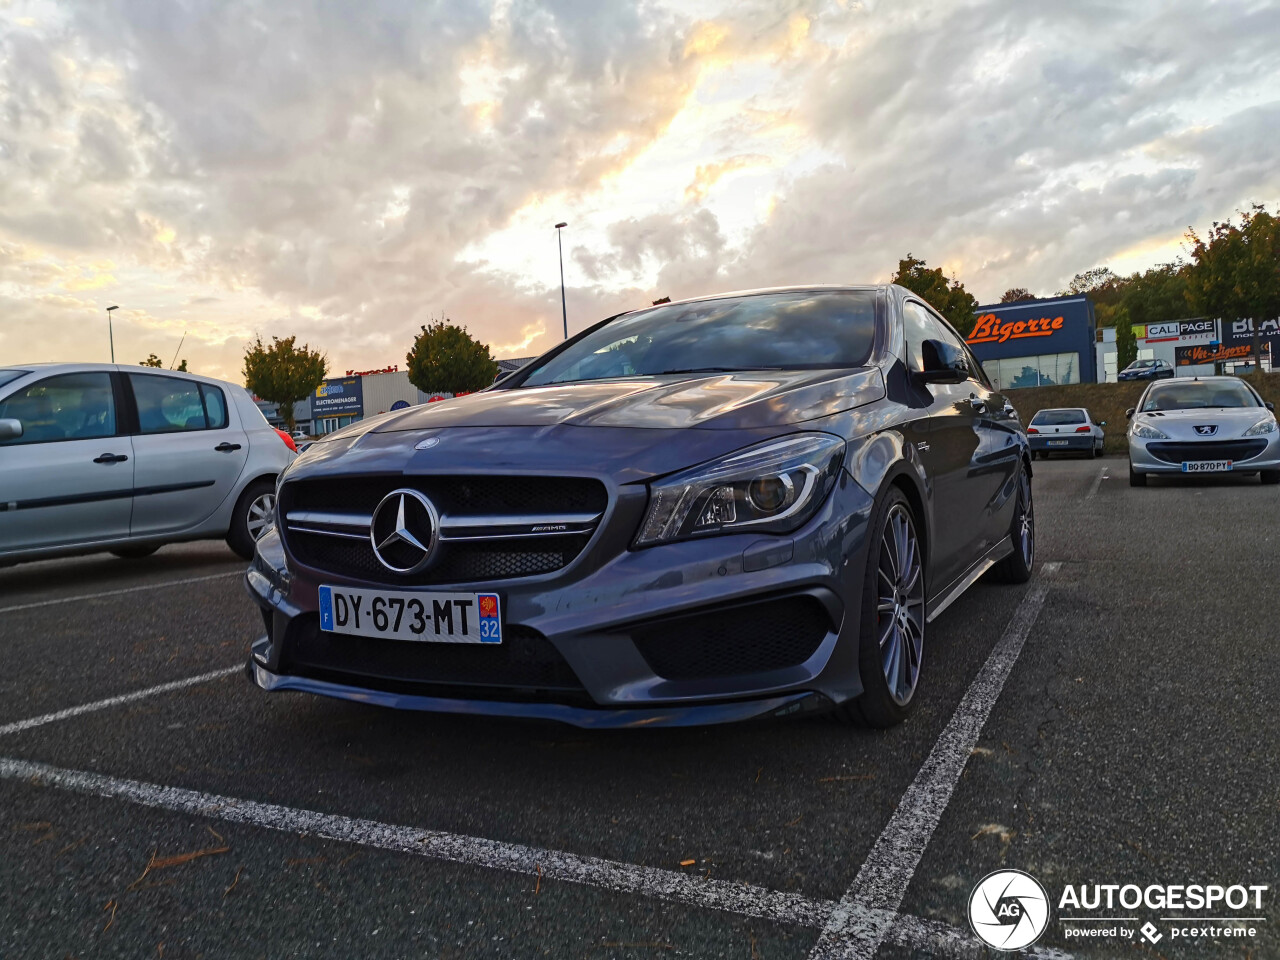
{"x":111,"y":458}
{"x":225,"y":447}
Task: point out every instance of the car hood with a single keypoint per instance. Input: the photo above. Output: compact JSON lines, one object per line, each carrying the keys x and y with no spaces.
{"x":627,"y":430}
{"x":725,"y":401}
{"x":1230,"y":423}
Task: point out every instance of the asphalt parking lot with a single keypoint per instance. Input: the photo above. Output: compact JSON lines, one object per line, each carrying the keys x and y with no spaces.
{"x":1109,"y":722}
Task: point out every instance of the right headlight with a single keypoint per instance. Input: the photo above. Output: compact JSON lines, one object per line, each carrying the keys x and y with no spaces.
{"x":1262,"y":427}
{"x":773,"y":487}
{"x":1145,"y":431}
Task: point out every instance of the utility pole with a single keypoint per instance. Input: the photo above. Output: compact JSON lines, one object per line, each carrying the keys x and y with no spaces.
{"x":110,"y":334}
{"x":564,"y":311}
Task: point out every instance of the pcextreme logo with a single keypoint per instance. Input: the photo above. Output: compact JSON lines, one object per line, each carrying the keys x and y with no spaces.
{"x":989,"y":329}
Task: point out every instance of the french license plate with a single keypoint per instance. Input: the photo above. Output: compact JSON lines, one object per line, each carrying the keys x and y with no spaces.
{"x":1057,"y":443}
{"x":1206,"y":466}
{"x":401,"y":615}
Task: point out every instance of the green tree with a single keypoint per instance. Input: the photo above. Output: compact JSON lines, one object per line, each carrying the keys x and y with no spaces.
{"x":1104,"y":289}
{"x":183,"y":365}
{"x":947,"y":296}
{"x":1158,"y":295}
{"x":1235,"y":271}
{"x":446,"y":359}
{"x":1016,"y":295}
{"x":1126,"y":339}
{"x":283,"y":373}
{"x":151,"y":361}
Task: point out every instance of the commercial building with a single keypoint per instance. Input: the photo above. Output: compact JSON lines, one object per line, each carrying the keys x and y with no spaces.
{"x":1035,"y":343}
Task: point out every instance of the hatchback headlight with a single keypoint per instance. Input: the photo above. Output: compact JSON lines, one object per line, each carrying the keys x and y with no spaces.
{"x":1262,"y":427}
{"x":773,"y":487}
{"x":1145,"y":431}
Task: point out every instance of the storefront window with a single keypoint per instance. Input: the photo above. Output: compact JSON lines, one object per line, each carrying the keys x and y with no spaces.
{"x":1046,"y":370}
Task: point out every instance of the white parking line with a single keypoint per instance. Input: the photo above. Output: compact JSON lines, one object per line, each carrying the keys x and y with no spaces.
{"x":1097,"y":482}
{"x":864,"y":916}
{"x":21,"y":725}
{"x":122,"y":590}
{"x":668,"y":885}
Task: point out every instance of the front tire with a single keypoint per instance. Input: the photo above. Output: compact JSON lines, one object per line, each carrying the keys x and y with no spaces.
{"x":254,"y":514}
{"x":1136,"y":479}
{"x":892,"y":624}
{"x":1270,"y":476}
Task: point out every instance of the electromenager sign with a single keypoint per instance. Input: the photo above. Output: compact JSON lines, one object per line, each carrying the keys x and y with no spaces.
{"x":338,"y":397}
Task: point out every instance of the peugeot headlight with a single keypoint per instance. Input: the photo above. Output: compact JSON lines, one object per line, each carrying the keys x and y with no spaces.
{"x":1262,"y":427}
{"x":772,"y":487}
{"x":1145,"y":431}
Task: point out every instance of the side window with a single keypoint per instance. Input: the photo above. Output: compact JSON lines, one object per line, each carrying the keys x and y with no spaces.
{"x":167,"y":404}
{"x":917,"y":327}
{"x":72,"y":406}
{"x":215,"y":406}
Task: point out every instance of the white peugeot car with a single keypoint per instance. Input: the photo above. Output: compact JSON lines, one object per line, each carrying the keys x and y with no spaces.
{"x":1202,"y":425}
{"x":95,"y":456}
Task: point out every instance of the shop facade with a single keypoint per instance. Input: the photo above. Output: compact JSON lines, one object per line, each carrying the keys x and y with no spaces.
{"x":1036,"y":343}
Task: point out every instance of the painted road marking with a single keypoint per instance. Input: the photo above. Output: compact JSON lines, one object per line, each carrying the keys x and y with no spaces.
{"x":122,"y":590}
{"x":1097,"y":482}
{"x":864,"y":916}
{"x":21,"y":725}
{"x":674,"y":887}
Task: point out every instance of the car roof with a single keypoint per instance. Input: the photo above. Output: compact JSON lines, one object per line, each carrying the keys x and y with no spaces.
{"x":794,"y":288}
{"x":51,"y":367}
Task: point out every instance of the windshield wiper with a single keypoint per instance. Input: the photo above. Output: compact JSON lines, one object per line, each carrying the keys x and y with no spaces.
{"x":713,"y":370}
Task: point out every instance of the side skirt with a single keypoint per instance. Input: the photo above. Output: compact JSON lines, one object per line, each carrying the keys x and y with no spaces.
{"x":965,"y":581}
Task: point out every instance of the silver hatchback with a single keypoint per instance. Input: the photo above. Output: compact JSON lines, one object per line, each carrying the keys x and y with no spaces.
{"x":97,"y":456}
{"x":1202,"y":425}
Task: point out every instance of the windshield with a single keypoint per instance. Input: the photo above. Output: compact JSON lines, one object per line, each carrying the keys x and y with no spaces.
{"x":770,"y":331}
{"x":1194,"y":394}
{"x":1140,"y":364}
{"x":1057,"y":418}
{"x":7,"y":376}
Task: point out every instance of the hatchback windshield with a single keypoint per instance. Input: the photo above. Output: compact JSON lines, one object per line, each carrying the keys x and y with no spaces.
{"x":1057,"y":418}
{"x":1194,"y":394}
{"x":1140,"y":365}
{"x":787,"y":331}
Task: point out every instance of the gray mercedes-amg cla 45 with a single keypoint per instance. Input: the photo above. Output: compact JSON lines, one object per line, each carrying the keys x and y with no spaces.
{"x":743,"y":505}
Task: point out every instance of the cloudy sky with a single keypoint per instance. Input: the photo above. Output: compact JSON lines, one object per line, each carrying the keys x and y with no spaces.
{"x":348,"y":171}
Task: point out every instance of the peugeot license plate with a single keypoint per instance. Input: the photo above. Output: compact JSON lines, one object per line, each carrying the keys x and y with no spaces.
{"x":1057,"y":443}
{"x":401,"y":615}
{"x":1206,"y":466}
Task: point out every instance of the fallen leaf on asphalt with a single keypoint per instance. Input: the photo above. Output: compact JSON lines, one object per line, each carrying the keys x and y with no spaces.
{"x":687,"y":863}
{"x":1005,"y":834}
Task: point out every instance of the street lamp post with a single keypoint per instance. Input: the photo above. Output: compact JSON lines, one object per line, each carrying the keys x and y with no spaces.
{"x":111,"y":335}
{"x":564,"y":311}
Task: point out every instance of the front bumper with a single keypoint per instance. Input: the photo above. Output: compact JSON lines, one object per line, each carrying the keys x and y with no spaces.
{"x":617,"y":639}
{"x":1048,"y":443}
{"x":1147,"y":456}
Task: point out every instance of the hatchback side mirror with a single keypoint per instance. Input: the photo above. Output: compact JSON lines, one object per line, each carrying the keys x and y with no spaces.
{"x":1128,"y":414}
{"x":1269,"y":405}
{"x":943,"y":363}
{"x":1102,"y":423}
{"x":10,"y":429}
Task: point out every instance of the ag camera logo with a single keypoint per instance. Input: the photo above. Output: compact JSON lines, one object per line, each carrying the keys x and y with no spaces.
{"x":1008,"y":910}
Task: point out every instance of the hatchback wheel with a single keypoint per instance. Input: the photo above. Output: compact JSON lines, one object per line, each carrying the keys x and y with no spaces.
{"x":1136,"y":479}
{"x":1270,"y":476}
{"x":254,"y":516}
{"x":1017,"y":567}
{"x":891,"y":638}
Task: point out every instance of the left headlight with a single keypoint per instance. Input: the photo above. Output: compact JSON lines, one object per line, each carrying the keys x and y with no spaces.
{"x":1262,"y":427}
{"x":773,"y":487}
{"x":1147,"y":432}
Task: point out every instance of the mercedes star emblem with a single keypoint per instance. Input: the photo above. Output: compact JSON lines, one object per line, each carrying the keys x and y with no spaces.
{"x":404,"y":531}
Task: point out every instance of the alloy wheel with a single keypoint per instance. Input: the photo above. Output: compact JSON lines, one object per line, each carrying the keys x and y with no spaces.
{"x":900,"y":608}
{"x":1026,"y":521}
{"x":262,"y":514}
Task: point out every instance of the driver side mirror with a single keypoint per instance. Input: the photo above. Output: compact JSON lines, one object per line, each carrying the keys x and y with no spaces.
{"x":1102,"y":423}
{"x":943,"y":363}
{"x":10,"y":429}
{"x":1269,"y":405}
{"x":1128,"y":414}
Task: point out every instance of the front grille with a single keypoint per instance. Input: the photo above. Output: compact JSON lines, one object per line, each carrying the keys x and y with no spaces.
{"x":1174,"y":451}
{"x":753,"y":638}
{"x":549,"y":521}
{"x":457,"y":562}
{"x":524,"y":665}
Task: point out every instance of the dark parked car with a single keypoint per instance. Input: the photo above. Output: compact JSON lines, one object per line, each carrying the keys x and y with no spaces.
{"x":1146,"y":370}
{"x":744,"y":505}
